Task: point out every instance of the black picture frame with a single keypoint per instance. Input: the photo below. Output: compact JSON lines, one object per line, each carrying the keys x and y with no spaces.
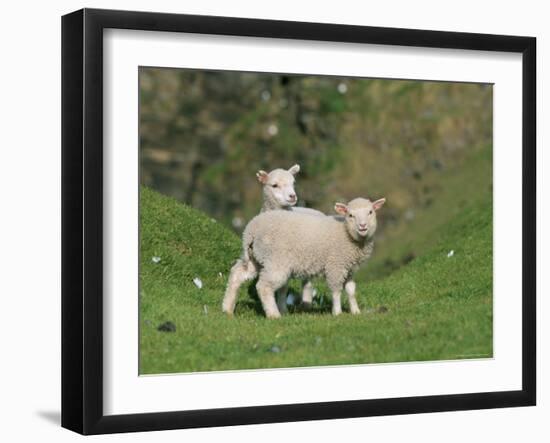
{"x":82,"y":220}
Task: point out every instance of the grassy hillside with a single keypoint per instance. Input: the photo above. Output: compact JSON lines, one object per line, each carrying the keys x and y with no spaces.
{"x":455,"y":191}
{"x":432,"y":306}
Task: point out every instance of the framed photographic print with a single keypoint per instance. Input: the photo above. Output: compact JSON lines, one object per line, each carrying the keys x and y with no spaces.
{"x":269,"y":221}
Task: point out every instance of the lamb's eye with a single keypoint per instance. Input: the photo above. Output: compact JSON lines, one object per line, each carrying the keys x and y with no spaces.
{"x":349,"y":215}
{"x":275,"y":185}
{"x":370,"y":212}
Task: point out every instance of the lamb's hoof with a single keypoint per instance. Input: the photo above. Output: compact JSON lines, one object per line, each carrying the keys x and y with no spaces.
{"x":355,"y":311}
{"x":273,"y":315}
{"x":335,"y":313}
{"x":227,"y":312}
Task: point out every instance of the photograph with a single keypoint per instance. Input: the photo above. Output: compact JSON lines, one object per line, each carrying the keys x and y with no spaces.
{"x":301,"y":220}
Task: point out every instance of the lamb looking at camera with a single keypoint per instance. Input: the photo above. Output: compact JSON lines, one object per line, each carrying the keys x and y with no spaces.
{"x":281,"y":244}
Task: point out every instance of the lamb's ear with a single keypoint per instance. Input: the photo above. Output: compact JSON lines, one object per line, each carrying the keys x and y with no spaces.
{"x":294,"y":170}
{"x":378,"y":204}
{"x":262,"y":176}
{"x":341,"y":208}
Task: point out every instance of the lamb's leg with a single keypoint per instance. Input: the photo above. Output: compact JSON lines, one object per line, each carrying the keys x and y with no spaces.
{"x":336,"y":302}
{"x":267,"y":284}
{"x":281,"y":294}
{"x":336,"y":285}
{"x":265,"y":291}
{"x":240,"y":272}
{"x":350,"y":290}
{"x":307,"y":295}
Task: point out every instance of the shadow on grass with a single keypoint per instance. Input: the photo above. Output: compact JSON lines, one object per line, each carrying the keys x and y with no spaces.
{"x":320,"y":305}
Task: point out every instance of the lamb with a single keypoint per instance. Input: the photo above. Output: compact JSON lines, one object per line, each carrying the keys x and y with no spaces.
{"x":278,"y":193}
{"x":280,"y":244}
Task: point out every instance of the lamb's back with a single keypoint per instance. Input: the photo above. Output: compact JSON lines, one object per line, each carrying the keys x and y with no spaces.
{"x":307,"y":211}
{"x":298,"y":238}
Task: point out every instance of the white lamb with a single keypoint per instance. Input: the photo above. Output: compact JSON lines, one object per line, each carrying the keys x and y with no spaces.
{"x":279,"y":193}
{"x":278,"y":190}
{"x":280,"y":244}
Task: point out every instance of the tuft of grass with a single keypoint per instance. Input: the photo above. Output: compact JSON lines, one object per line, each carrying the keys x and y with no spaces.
{"x":433,"y":307}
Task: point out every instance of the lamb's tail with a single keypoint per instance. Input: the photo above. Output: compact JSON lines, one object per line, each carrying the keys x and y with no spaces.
{"x":248,"y":242}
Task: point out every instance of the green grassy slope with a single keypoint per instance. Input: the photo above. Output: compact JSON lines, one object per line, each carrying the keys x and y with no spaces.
{"x":466,"y":186}
{"x":434,"y":307}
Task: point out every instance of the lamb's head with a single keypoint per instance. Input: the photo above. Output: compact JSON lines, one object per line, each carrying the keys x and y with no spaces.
{"x":360,"y":216}
{"x":278,"y":186}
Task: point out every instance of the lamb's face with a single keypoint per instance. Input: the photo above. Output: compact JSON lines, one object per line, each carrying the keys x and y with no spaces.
{"x":360,"y":216}
{"x":279,"y":186}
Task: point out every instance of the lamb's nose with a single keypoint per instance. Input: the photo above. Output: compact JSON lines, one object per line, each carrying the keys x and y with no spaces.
{"x":292,"y":196}
{"x":362,"y":225}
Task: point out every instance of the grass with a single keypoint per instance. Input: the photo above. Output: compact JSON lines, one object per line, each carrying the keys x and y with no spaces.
{"x":431,"y":308}
{"x":470,"y":185}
